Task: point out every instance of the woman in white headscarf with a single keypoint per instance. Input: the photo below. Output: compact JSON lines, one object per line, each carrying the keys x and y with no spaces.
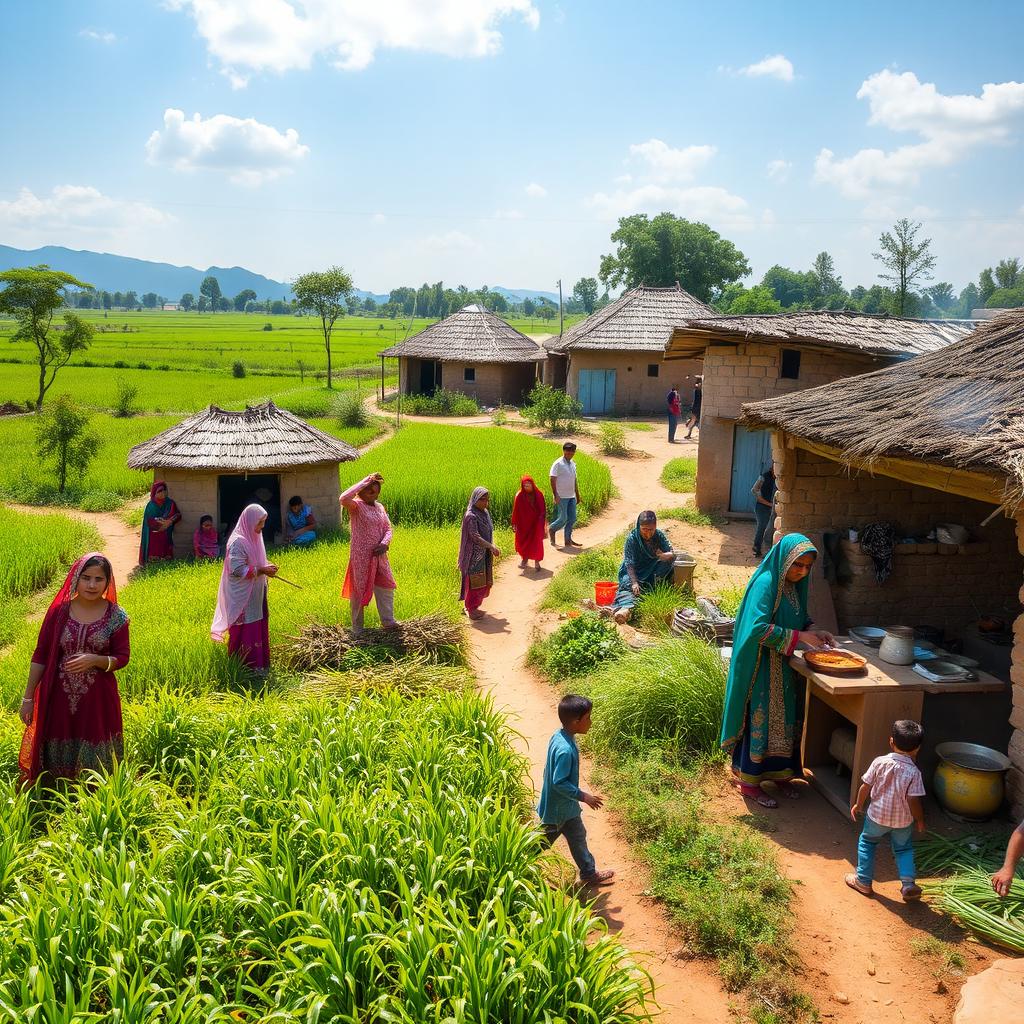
{"x":477,"y":552}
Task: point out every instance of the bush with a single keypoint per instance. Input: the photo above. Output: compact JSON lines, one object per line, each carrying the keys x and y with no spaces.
{"x":654,"y":607}
{"x":552,"y":408}
{"x":238,"y":368}
{"x":120,"y":364}
{"x":349,"y":411}
{"x":268,"y":327}
{"x":612,"y":439}
{"x":441,"y":403}
{"x":127,"y":394}
{"x":680,"y":475}
{"x":100,"y":501}
{"x":579,"y":647}
{"x":499,"y":417}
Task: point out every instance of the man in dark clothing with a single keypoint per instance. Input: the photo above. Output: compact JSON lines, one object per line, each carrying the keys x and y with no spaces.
{"x":694,"y":418}
{"x":675,"y":410}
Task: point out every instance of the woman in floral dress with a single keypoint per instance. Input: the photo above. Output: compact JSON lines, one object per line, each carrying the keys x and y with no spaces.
{"x":369,"y":572}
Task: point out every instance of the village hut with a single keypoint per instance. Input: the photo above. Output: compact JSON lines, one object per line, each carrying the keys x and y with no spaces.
{"x":218,"y":461}
{"x":937,"y":440}
{"x":746,"y":358}
{"x":614,"y":360}
{"x":472,"y":351}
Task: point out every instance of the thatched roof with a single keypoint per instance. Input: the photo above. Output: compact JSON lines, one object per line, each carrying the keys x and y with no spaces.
{"x":640,"y":320}
{"x":845,"y":330}
{"x":472,"y":335}
{"x":962,"y":407}
{"x":261,"y":437}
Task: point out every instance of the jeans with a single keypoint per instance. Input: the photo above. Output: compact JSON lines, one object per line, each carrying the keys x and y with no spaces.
{"x":762,"y":517}
{"x":673,"y":422}
{"x":575,"y":833}
{"x":902,"y":840}
{"x":385,"y":598}
{"x":566,"y":517}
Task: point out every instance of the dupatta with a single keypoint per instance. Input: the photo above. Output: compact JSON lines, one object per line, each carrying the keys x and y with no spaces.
{"x":155,"y":511}
{"x":767,"y":602}
{"x":30,"y":756}
{"x":475,"y":521}
{"x":528,"y":509}
{"x":640,"y":553}
{"x":234,"y":591}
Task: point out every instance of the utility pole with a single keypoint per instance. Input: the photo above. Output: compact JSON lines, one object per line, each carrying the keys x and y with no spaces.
{"x":560,"y":318}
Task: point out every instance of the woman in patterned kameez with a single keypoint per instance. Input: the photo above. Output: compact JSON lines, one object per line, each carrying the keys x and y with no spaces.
{"x":764,"y":699}
{"x":72,"y":708}
{"x":369,"y":572}
{"x":477,"y":552}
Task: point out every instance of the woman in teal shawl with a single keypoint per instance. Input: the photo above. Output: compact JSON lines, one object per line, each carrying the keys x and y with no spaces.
{"x":647,"y":558}
{"x":158,"y":525}
{"x":763,"y":718}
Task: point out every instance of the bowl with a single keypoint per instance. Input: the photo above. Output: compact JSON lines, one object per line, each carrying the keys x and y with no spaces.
{"x":867,"y":634}
{"x":836,"y":662}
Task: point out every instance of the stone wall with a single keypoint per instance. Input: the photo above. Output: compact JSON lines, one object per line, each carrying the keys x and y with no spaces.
{"x":636,"y":391}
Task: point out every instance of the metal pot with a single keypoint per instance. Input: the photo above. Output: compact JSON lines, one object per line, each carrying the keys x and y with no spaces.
{"x":969,"y":780}
{"x":897,"y":646}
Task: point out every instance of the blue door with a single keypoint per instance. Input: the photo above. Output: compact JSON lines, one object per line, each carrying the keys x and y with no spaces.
{"x":751,"y":452}
{"x":597,"y":391}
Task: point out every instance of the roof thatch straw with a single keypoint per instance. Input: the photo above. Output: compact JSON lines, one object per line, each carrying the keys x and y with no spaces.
{"x":261,"y":437}
{"x":961,"y":407}
{"x":472,"y":335}
{"x":869,"y":333}
{"x":640,"y":320}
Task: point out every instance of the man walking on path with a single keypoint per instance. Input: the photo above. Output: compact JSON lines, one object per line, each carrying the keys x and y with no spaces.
{"x":566,"y":493}
{"x":675,"y":410}
{"x":698,"y":397}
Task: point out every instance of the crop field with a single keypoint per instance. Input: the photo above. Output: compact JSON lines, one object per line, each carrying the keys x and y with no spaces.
{"x":430,"y":471}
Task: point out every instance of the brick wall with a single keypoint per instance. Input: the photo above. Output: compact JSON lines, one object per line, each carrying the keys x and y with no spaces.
{"x":635,"y":391}
{"x":734,"y":374}
{"x":495,"y":383}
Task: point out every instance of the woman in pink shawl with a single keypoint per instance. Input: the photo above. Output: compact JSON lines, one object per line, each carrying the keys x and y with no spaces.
{"x":477,"y":552}
{"x":242,"y":599}
{"x":369,"y":572}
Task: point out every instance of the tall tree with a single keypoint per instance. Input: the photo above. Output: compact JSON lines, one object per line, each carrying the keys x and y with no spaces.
{"x":666,"y":249}
{"x":203,"y":304}
{"x":1008,"y":273}
{"x":905,"y":259}
{"x":105,"y":298}
{"x":584,"y":291}
{"x":826,"y":281}
{"x":150,"y":300}
{"x":32,"y":296}
{"x":62,"y":434}
{"x":244,"y":296}
{"x":211,"y":289}
{"x":790,"y":287}
{"x":942,"y":295}
{"x":131,"y":300}
{"x":187,"y":301}
{"x":324,"y":292}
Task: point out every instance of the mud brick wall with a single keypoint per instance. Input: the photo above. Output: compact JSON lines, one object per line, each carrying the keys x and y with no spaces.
{"x":635,"y":391}
{"x":495,"y":383}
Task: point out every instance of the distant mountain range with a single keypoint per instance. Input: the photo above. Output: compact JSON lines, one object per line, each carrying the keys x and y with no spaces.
{"x":107,"y":272}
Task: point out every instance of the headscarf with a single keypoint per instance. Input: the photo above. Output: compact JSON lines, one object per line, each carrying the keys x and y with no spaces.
{"x":481,"y":518}
{"x":641,"y":553}
{"x":155,"y":511}
{"x":528,"y":508}
{"x":768,"y":600}
{"x":235,"y":591}
{"x":56,"y":618}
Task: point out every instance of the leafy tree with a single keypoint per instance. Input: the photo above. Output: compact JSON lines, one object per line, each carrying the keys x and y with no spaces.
{"x":404,"y":298}
{"x":370,"y":304}
{"x":666,"y":249}
{"x":823,"y":273}
{"x":905,"y":259}
{"x":278,"y":307}
{"x":32,"y":296}
{"x":790,"y":287}
{"x":244,"y":296}
{"x":62,"y":435}
{"x":150,"y":300}
{"x":84,"y":300}
{"x":354,"y":304}
{"x":118,"y":299}
{"x":203,"y":304}
{"x":986,"y":284}
{"x":970,"y":299}
{"x":942,"y":296}
{"x":131,"y":301}
{"x":324,"y":292}
{"x":187,"y":301}
{"x":224,"y":304}
{"x":211,"y":289}
{"x":1008,"y":273}
{"x":750,"y":300}
{"x":584,"y":291}
{"x":529,"y":307}
{"x":252,"y":307}
{"x":1006,"y":298}
{"x":105,"y":298}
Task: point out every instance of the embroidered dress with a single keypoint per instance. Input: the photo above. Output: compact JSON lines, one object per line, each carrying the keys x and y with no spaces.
{"x":764,"y":699}
{"x":370,"y":528}
{"x":158,"y":545}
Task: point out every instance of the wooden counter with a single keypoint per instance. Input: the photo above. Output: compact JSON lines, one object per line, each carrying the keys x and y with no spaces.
{"x":870,"y":702}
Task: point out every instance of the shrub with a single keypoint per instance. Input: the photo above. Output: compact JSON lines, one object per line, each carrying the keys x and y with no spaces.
{"x":349,"y":410}
{"x":127,"y":395}
{"x":552,"y":408}
{"x":120,"y":364}
{"x":63,"y":435}
{"x":499,"y":417}
{"x":440,"y":403}
{"x":238,"y":368}
{"x":690,"y":514}
{"x":100,"y":501}
{"x":680,"y":475}
{"x":268,"y":327}
{"x":143,"y":366}
{"x":612,"y":439}
{"x":580,"y":646}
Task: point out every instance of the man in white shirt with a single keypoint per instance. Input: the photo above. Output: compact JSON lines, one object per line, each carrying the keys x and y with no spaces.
{"x":566,"y":493}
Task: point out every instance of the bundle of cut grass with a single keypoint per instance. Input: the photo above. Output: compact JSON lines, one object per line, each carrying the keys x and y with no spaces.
{"x":937,"y":855}
{"x":410,"y":677}
{"x":433,"y":638}
{"x":969,"y":898}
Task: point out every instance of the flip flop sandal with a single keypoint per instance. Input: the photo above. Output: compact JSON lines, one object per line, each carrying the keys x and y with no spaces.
{"x":759,"y":796}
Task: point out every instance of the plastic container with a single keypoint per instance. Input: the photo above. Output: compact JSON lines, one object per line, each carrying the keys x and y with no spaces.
{"x":682,"y":570}
{"x":604,"y":592}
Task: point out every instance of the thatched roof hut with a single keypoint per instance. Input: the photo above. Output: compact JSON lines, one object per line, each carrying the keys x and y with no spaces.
{"x":472,"y":351}
{"x":218,"y":461}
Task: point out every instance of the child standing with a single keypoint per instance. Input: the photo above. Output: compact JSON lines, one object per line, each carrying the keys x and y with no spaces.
{"x":895,"y":785}
{"x":560,"y":795}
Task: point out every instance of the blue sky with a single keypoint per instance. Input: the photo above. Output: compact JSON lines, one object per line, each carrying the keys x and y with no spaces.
{"x":497,"y":141}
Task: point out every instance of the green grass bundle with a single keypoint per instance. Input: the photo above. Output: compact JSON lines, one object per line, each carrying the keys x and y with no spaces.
{"x":935,"y":854}
{"x":654,"y":607}
{"x":578,"y":647}
{"x":410,"y":677}
{"x":970,"y":898}
{"x":680,"y":475}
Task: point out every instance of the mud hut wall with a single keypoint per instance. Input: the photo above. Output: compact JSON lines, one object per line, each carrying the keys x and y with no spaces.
{"x":494,"y":383}
{"x":635,"y":391}
{"x":748,"y":372}
{"x":1015,"y":776}
{"x":318,"y":487}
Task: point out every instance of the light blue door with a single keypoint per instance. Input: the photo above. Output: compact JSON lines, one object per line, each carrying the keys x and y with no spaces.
{"x":597,"y":391}
{"x":751,"y":452}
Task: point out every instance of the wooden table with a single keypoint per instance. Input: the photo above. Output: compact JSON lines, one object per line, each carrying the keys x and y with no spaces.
{"x":870,"y":702}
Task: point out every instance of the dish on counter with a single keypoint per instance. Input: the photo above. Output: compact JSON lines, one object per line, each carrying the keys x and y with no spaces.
{"x":870,"y":635}
{"x":962,"y":660}
{"x":836,"y":662}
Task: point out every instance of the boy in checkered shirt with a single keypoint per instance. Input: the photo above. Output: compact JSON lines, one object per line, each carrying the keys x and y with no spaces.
{"x":895,"y":786}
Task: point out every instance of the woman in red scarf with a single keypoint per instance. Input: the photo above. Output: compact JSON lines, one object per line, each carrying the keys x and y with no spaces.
{"x":72,"y":709}
{"x":529,"y":513}
{"x":158,"y":525}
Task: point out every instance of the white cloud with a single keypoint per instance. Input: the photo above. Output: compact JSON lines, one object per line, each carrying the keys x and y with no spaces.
{"x":535,"y":191}
{"x":77,"y":206}
{"x":281,"y":35}
{"x":775,"y":66}
{"x":778,"y":170}
{"x":669,"y":164}
{"x":950,"y":127}
{"x":450,"y":241}
{"x":251,"y":152}
{"x":709,"y":203}
{"x":379,"y":218}
{"x":98,"y":36}
{"x":508,"y":214}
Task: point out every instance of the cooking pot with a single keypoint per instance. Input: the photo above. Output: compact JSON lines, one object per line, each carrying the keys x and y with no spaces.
{"x":897,"y":646}
{"x":969,"y":780}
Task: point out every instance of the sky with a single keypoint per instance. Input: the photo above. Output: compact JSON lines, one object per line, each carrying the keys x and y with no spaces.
{"x":497,"y":141}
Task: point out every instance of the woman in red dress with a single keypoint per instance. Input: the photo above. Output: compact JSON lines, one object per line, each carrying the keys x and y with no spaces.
{"x":529,"y":514}
{"x":158,"y":525}
{"x":72,"y":709}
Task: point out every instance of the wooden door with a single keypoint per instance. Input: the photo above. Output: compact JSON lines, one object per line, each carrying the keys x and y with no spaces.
{"x":751,"y":452}
{"x":597,"y":392}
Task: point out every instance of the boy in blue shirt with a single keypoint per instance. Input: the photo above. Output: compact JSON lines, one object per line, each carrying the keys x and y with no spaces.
{"x":560,"y":794}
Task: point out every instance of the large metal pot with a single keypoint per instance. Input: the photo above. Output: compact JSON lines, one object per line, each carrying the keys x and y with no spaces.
{"x":969,"y":781}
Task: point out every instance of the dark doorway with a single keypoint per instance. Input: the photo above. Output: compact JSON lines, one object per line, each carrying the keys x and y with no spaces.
{"x":235,"y":492}
{"x":430,"y":376}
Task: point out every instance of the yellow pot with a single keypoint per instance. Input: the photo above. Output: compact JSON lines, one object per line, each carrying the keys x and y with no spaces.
{"x":969,"y":780}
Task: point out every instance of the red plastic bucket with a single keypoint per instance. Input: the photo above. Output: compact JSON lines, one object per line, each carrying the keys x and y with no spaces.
{"x":604,"y":593}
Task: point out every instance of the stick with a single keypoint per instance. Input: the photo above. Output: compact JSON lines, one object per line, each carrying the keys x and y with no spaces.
{"x":283,"y":580}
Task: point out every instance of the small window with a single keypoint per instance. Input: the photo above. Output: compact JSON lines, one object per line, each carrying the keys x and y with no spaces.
{"x":469,"y":373}
{"x":652,"y":369}
{"x":789,"y":368}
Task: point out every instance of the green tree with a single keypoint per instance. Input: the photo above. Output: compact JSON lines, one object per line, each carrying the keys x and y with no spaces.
{"x":986,"y":284}
{"x":324,"y":292}
{"x":187,"y":301}
{"x":750,"y":300}
{"x":278,"y":308}
{"x":118,"y":299}
{"x":584,"y":291}
{"x":131,"y":301}
{"x":1008,"y":273}
{"x":62,"y":435}
{"x":823,"y":273}
{"x":150,"y":300}
{"x":790,"y":287}
{"x":370,"y":304}
{"x":906,"y":261}
{"x":32,"y":296}
{"x":105,"y":298}
{"x":244,"y":296}
{"x":1006,"y":298}
{"x":667,"y":249}
{"x":970,"y":299}
{"x":211,"y":289}
{"x":203,"y":304}
{"x":84,"y":300}
{"x":529,"y":307}
{"x":942,"y":296}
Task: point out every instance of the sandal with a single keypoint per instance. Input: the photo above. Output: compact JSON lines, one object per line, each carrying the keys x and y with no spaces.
{"x":911,"y":892}
{"x":599,"y":878}
{"x":788,"y":790}
{"x":854,"y":883}
{"x":758,"y":795}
